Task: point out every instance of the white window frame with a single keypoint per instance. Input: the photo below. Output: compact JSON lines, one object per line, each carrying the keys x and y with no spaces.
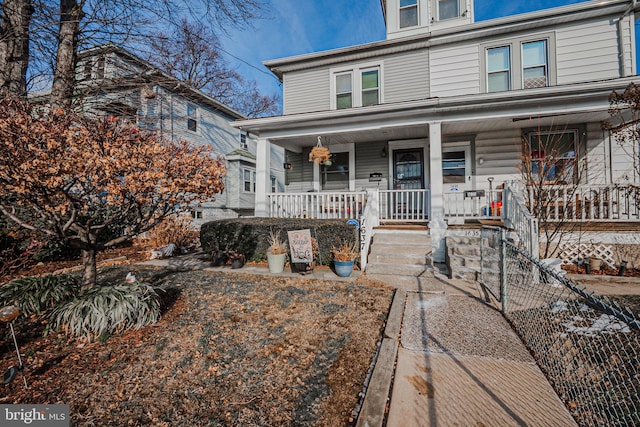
{"x":508,"y":70}
{"x":252,"y":180}
{"x":515,"y":47}
{"x":356,"y":82}
{"x":415,"y":6}
{"x":243,"y":141}
{"x":545,"y":64}
{"x":572,"y":156}
{"x":192,"y":117}
{"x":349,"y":73}
{"x":440,"y":19}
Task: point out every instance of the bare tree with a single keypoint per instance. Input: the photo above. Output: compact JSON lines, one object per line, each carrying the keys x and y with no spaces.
{"x":552,"y":170}
{"x":624,"y":109}
{"x":192,"y":53}
{"x":15,"y":18}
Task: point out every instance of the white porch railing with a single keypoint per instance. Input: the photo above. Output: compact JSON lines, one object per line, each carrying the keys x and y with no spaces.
{"x":517,"y":217}
{"x":477,"y":204}
{"x":347,"y":205}
{"x":404,"y":205}
{"x":615,"y":202}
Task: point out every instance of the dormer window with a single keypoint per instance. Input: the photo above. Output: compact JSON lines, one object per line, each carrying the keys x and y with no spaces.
{"x":408,"y":13}
{"x":448,"y":9}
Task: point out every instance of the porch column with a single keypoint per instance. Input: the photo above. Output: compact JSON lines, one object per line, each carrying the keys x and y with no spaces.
{"x":437,"y":225}
{"x":263,"y":178}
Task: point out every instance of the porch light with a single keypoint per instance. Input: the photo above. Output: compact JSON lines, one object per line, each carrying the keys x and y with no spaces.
{"x":319,"y":154}
{"x":287,"y":166}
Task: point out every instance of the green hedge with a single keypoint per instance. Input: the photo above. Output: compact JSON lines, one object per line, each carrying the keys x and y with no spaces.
{"x":249,"y":236}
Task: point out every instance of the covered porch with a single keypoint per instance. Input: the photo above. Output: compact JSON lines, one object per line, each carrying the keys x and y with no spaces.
{"x":440,"y":160}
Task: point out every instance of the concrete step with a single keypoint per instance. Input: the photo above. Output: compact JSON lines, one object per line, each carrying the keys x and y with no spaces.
{"x":474,"y":262}
{"x":402,"y":237}
{"x":397,"y":269}
{"x":394,"y":257}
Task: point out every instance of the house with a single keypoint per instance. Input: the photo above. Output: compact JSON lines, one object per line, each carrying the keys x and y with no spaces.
{"x":114,"y":81}
{"x":428,"y":122}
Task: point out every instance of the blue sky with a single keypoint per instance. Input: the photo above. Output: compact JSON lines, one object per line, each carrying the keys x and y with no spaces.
{"x":296,"y":27}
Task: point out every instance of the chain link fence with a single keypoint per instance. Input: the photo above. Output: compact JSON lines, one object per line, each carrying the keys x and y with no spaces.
{"x":587,"y":346}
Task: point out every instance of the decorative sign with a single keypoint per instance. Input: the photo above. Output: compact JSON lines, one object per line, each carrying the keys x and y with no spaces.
{"x":301,"y":246}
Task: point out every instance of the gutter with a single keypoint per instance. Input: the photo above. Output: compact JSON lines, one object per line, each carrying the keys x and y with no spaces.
{"x":622,"y":57}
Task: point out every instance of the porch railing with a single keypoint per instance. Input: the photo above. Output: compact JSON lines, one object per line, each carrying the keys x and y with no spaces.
{"x":477,"y":204}
{"x":404,"y":205}
{"x":615,"y":202}
{"x":347,"y":205}
{"x":518,"y":218}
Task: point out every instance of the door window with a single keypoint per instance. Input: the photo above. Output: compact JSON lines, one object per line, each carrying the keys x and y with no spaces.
{"x":454,"y":167}
{"x":408,"y":169}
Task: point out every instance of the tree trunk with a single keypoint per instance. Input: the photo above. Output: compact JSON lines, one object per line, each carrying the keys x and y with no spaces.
{"x":89,"y":271}
{"x":65,"y":71}
{"x":14,"y":47}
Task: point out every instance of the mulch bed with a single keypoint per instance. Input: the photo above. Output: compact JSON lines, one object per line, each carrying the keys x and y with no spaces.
{"x":232,"y":349}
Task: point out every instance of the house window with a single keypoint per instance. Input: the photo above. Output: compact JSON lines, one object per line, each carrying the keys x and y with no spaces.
{"x":370,"y":87}
{"x":88,"y":68}
{"x":249,"y":180}
{"x":344,"y":91}
{"x":498,"y":69}
{"x":534,"y":64}
{"x":448,"y":9}
{"x":336,"y":176}
{"x":100,"y":68}
{"x":453,"y":167}
{"x":243,"y":141}
{"x":192,"y":118}
{"x":274,"y":187}
{"x":357,"y":87}
{"x":408,"y":13}
{"x":196,"y":214}
{"x":553,"y":156}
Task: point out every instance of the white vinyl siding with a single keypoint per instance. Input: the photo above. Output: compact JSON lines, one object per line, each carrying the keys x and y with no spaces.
{"x":501,"y":153}
{"x":454,"y":70}
{"x":307,"y":91}
{"x":587,"y":52}
{"x":406,"y":76}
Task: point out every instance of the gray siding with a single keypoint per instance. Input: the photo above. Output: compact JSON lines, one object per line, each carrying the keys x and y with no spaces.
{"x":406,"y":76}
{"x":368,"y":160}
{"x":306,"y":91}
{"x":587,"y":52}
{"x":455,"y":70}
{"x":501,"y":151}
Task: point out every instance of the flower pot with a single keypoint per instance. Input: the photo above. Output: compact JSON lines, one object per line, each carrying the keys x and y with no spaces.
{"x":303,"y":267}
{"x":343,"y":268}
{"x":276,"y":262}
{"x":237,"y":262}
{"x":595,"y":263}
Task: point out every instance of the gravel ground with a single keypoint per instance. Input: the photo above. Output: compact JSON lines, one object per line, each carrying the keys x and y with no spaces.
{"x":460,"y":325}
{"x":233,"y":349}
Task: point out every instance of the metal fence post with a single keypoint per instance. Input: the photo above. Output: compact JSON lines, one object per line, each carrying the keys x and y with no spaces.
{"x":503,"y":270}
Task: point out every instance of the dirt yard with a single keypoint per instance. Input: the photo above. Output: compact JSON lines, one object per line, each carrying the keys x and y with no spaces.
{"x":232,"y":349}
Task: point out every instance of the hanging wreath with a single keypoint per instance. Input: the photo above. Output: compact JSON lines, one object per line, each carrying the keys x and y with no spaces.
{"x":320,"y":155}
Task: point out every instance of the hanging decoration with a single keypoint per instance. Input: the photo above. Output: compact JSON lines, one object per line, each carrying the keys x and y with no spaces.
{"x":319,"y":154}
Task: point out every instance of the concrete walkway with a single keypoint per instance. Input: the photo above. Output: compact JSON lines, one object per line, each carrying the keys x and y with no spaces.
{"x":453,"y":360}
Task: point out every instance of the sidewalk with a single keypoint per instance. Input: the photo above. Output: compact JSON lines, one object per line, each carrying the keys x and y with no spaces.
{"x":457,"y":363}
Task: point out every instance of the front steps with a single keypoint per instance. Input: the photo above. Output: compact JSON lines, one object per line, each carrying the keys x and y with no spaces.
{"x":400,"y":252}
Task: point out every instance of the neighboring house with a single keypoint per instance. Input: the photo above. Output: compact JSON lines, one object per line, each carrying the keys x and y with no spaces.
{"x":113,"y":81}
{"x":439,"y":109}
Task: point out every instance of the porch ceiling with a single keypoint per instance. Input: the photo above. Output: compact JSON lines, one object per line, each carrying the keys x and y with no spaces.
{"x":450,"y":129}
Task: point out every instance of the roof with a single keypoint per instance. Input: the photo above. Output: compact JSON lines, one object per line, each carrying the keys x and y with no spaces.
{"x":477,"y":30}
{"x":154,"y":74}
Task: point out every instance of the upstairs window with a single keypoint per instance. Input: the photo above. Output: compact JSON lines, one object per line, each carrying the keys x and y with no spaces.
{"x":243,"y":141}
{"x":100,"y":68}
{"x":370,"y":87}
{"x":88,"y":69}
{"x":344,"y":91}
{"x":498,"y":69}
{"x":535,"y":64}
{"x":356,"y":87}
{"x":448,"y":9}
{"x":192,"y":118}
{"x":408,"y":13}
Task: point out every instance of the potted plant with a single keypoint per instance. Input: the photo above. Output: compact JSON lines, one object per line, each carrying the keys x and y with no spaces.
{"x":235,"y":259}
{"x":307,"y":267}
{"x":276,"y":253}
{"x":344,"y":257}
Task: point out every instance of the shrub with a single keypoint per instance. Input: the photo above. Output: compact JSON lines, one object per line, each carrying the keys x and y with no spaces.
{"x":33,"y":295}
{"x":250,"y":236}
{"x":176,"y":229}
{"x":103,"y":310}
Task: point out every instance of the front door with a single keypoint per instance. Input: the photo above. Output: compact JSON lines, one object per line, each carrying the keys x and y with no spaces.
{"x":408,"y":169}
